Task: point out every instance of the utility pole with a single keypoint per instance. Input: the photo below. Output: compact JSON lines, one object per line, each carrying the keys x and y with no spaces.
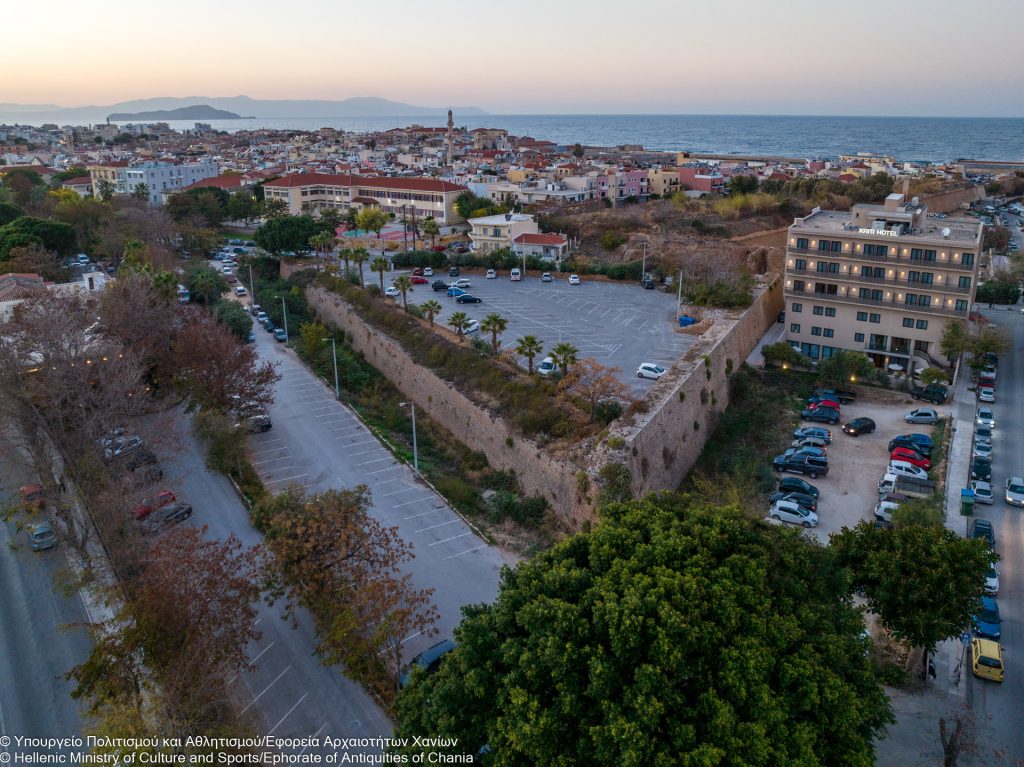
{"x":252,"y":290}
{"x":643,"y":269}
{"x":334,"y":350}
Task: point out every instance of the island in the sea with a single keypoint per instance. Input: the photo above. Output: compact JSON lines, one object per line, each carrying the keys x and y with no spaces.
{"x":197,"y":112}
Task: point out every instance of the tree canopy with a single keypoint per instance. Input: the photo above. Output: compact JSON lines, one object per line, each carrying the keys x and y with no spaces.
{"x":669,"y":635}
{"x":288,"y":233}
{"x":27,"y":230}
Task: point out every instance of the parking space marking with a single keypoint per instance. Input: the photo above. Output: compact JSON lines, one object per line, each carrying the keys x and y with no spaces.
{"x":276,"y":680}
{"x":375,"y":460}
{"x":475,"y":548}
{"x":285,"y":479}
{"x":461,"y":535}
{"x":415,"y":500}
{"x":421,"y":514}
{"x":272,"y":460}
{"x":379,"y":471}
{"x":288,"y":713}
{"x":442,"y":524}
{"x":355,"y":444}
{"x":396,"y":492}
{"x":251,"y":661}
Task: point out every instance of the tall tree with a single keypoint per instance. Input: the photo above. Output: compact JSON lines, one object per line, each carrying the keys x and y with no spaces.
{"x":529,"y":346}
{"x":431,"y":308}
{"x":380,"y":265}
{"x":372,"y":219}
{"x":670,"y":634}
{"x":494,"y":324}
{"x":360,"y":256}
{"x":564,"y":355}
{"x":431,"y":229}
{"x":458,"y":322}
{"x":593,"y":382}
{"x":404,"y":284}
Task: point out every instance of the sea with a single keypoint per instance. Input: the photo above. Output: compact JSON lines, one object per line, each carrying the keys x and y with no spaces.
{"x":927,"y":139}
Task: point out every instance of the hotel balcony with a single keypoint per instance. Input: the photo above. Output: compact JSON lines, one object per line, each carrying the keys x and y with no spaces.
{"x":891,"y":258}
{"x":904,"y":283}
{"x":894,"y":304}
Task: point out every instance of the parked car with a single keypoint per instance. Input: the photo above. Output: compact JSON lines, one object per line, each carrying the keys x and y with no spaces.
{"x":987,"y":621}
{"x":261,"y":316}
{"x":983,"y":492}
{"x":808,"y":502}
{"x":814,"y":431}
{"x":987,"y":659}
{"x":817,"y":442}
{"x":886,"y":505}
{"x":41,"y":536}
{"x":797,"y":485}
{"x":466,"y":298}
{"x":574,"y":279}
{"x":650,"y":370}
{"x":472,"y":326}
{"x":419,"y":279}
{"x":818,"y":452}
{"x":986,"y":394}
{"x":981,"y":529}
{"x":992,"y":582}
{"x":122,"y":446}
{"x":453,"y":272}
{"x":934,"y":393}
{"x":150,"y":505}
{"x":981,"y":468}
{"x":906,"y":469}
{"x":822,"y":415}
{"x":280,"y":335}
{"x":788,"y":511}
{"x":801,"y":464}
{"x":814,"y":404}
{"x":841,"y":395}
{"x":240,"y":291}
{"x":1015,"y":491}
{"x":859,"y":426}
{"x":428,"y":661}
{"x":32,"y":496}
{"x":463,"y":283}
{"x":982,"y":450}
{"x":911,"y":457}
{"x":648,"y":284}
{"x":986,"y":417}
{"x":417,"y":272}
{"x":392,"y":292}
{"x":269,"y":326}
{"x":439,"y":285}
{"x":428,"y":272}
{"x":454,"y":291}
{"x":546,"y":367}
{"x":546,"y":277}
{"x":491,"y":275}
{"x":165,"y":518}
{"x":983,"y":435}
{"x":906,"y":441}
{"x":922,"y":415}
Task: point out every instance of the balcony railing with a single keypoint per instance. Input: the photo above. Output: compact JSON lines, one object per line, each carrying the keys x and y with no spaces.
{"x":892,"y":258}
{"x":937,"y":287}
{"x":882,"y":303}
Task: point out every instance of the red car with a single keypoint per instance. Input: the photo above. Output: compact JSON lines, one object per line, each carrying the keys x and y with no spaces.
{"x":150,"y":505}
{"x":824,"y":403}
{"x":419,"y":280}
{"x":418,"y":271}
{"x":910,"y":456}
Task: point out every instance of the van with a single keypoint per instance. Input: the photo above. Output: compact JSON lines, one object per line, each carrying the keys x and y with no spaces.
{"x":515,"y":275}
{"x":906,"y":469}
{"x":546,"y":367}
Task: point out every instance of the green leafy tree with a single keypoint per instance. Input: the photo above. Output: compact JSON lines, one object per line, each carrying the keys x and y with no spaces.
{"x":529,"y":347}
{"x":311,"y":339}
{"x":274,"y":208}
{"x":469,"y":205}
{"x":431,"y":229}
{"x":564,"y":356}
{"x":742,"y":184}
{"x":9,"y":212}
{"x":404,"y":284}
{"x":242,"y":206}
{"x":781,"y":354}
{"x":380,"y":265}
{"x":594,"y":382}
{"x":208,"y":203}
{"x":494,"y":324}
{"x":1003,"y":288}
{"x":671,"y":634}
{"x":360,"y":256}
{"x":288,"y":233}
{"x":923,"y":512}
{"x":458,"y":322}
{"x":105,"y":189}
{"x":954,"y":340}
{"x":371,"y":219}
{"x":431,"y":308}
{"x":323,"y":242}
{"x":987,"y":340}
{"x":930,"y":376}
{"x":234,"y":317}
{"x":845,"y":367}
{"x":52,"y":235}
{"x":331,"y":219}
{"x":205,"y":285}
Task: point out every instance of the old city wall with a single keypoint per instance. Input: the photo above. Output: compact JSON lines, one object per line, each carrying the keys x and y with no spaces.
{"x":538,"y":472}
{"x":951,"y":202}
{"x":662,"y":447}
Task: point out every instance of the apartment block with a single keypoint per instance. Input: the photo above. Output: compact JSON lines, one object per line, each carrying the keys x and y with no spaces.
{"x":490,"y":233}
{"x":882,"y":279}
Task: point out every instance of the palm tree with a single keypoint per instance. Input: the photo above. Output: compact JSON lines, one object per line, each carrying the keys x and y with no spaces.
{"x":380,"y":265}
{"x":360,"y":256}
{"x":323,"y":242}
{"x":564,"y":355}
{"x":431,"y":308}
{"x":458,"y":322}
{"x":344,"y":255}
{"x":431,"y":229}
{"x":494,"y":323}
{"x":529,"y":347}
{"x":404,"y":283}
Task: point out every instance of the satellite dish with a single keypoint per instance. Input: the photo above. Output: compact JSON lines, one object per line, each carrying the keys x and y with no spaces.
{"x":945,"y":231}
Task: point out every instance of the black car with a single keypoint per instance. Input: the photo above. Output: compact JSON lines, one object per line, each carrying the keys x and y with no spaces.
{"x":905,"y":441}
{"x":167,"y":517}
{"x":439,"y":285}
{"x":800,"y":463}
{"x":807,"y":501}
{"x":453,"y":272}
{"x":822,"y":415}
{"x":981,"y":468}
{"x":797,"y":485}
{"x":648,"y":284}
{"x":466,"y":298}
{"x":859,"y":426}
{"x":982,"y":529}
{"x":429,"y":660}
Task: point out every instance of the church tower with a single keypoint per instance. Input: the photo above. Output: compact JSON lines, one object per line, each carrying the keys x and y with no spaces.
{"x":451,"y":138}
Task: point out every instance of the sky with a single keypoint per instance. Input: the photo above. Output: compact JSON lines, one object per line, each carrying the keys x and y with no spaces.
{"x":874,"y":57}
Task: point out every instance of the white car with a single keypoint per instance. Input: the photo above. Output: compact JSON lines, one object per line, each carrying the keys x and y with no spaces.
{"x":546,"y":367}
{"x":982,"y":450}
{"x":471,"y":327}
{"x":462,"y":283}
{"x":986,"y":417}
{"x":650,"y":370}
{"x":428,"y":272}
{"x":787,"y":511}
{"x":546,"y":277}
{"x":884,"y":510}
{"x":240,"y":291}
{"x":1015,"y":491}
{"x":992,"y":582}
{"x":574,"y":279}
{"x":982,"y":492}
{"x":906,"y":469}
{"x":491,"y":274}
{"x":392,"y":292}
{"x":987,"y":394}
{"x":228,"y":270}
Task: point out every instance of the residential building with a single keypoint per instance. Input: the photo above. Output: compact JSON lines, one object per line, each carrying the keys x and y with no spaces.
{"x":316,"y":191}
{"x":663,"y":182}
{"x":162,"y":177}
{"x":881,"y":278}
{"x":702,"y":180}
{"x":490,"y":233}
{"x":549,"y":246}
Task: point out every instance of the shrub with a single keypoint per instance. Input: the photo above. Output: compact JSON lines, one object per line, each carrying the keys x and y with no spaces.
{"x":612,"y":239}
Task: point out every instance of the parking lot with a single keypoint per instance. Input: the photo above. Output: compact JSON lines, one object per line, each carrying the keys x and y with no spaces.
{"x":620,"y":325}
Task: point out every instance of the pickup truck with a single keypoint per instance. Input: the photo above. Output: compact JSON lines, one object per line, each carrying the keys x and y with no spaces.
{"x":907,"y":486}
{"x":934,"y":393}
{"x":801,"y":463}
{"x":845,"y":397}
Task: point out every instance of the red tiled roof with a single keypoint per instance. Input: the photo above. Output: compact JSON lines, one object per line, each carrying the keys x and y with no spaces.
{"x":229,"y":181}
{"x":15,"y":285}
{"x":540,"y":239}
{"x":42,"y":170}
{"x":348,"y":179}
{"x":78,"y":181}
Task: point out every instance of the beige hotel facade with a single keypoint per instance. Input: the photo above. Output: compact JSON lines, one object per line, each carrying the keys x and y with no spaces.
{"x":884,"y":279}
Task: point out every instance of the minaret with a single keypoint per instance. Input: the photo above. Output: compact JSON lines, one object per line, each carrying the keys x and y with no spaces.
{"x":451,"y":138}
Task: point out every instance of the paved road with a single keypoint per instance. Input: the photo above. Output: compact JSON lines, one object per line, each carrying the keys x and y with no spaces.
{"x":318,"y":443}
{"x":1003,"y":705}
{"x":42,"y":634}
{"x":289,"y":688}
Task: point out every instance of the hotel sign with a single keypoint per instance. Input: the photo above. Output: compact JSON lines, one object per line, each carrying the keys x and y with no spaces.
{"x":878,"y":232}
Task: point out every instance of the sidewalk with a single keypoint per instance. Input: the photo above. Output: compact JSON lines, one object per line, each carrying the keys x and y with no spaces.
{"x":772,"y":336}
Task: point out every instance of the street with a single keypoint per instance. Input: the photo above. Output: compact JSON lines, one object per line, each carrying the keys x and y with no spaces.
{"x":42,"y":628}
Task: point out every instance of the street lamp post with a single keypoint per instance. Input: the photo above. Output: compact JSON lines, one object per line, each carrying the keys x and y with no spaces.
{"x":334,"y":351}
{"x":415,"y":452}
{"x":643,"y":269}
{"x":252,"y":289}
{"x":284,"y":311}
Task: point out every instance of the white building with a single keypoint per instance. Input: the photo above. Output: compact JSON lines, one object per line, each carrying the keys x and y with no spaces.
{"x":163,"y":177}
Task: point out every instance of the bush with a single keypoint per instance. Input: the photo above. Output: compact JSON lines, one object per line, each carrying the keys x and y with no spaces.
{"x":607,"y":411}
{"x":721,"y":293}
{"x":611,"y":240}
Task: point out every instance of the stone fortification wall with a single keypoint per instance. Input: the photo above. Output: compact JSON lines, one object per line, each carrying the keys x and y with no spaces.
{"x":539,"y":473}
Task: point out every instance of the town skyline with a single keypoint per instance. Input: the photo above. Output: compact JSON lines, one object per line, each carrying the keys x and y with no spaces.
{"x":565,"y":59}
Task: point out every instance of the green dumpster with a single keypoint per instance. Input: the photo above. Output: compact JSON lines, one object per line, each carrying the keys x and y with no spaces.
{"x":966,"y":502}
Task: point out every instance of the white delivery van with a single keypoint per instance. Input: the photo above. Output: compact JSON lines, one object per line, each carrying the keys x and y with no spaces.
{"x":515,"y":275}
{"x":546,"y":367}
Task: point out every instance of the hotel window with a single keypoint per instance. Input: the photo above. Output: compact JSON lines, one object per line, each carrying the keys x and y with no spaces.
{"x":908,"y":322}
{"x":825,"y":289}
{"x":964,"y":283}
{"x":830,"y":311}
{"x":819,"y":310}
{"x":961,"y":305}
{"x":858,"y":338}
{"x":828,"y":267}
{"x":916,"y":254}
{"x":911,"y":299}
{"x":921,"y":346}
{"x":800,"y":264}
{"x":823,"y":244}
{"x":869,"y":249}
{"x":967,"y":259}
{"x":810,"y":350}
{"x":815,"y":330}
{"x":873,"y":272}
{"x":924,"y":300}
{"x":913,"y":276}
{"x":927,"y":278}
{"x":929,"y":256}
{"x":922,"y":324}
{"x":875,"y":318}
{"x":882,"y":250}
{"x":797,"y":308}
{"x":862,"y":316}
{"x":829,"y":332}
{"x":794,"y":328}
{"x":827,"y":352}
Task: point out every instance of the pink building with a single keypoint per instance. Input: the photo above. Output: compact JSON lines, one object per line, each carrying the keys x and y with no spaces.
{"x":702,"y":180}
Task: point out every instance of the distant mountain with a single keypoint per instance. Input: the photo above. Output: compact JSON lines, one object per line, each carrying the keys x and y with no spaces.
{"x":366,"y":106}
{"x":198,"y":112}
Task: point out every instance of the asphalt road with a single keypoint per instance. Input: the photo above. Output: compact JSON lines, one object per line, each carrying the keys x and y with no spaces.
{"x":292,"y":692}
{"x":318,"y":443}
{"x":1001,"y":707}
{"x":42,"y":634}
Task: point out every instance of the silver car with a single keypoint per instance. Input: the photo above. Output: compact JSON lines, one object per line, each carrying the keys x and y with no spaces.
{"x":922,"y":415}
{"x":986,"y":417}
{"x":1015,"y":491}
{"x":42,"y":537}
{"x":982,"y":492}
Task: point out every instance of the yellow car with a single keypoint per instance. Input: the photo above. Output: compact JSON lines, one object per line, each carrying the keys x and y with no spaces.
{"x":987,"y":659}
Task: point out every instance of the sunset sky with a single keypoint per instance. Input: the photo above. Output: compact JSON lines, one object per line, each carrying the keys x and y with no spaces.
{"x":899,"y":57}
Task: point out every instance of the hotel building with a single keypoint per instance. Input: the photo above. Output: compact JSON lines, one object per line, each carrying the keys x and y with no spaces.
{"x":882,"y":279}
